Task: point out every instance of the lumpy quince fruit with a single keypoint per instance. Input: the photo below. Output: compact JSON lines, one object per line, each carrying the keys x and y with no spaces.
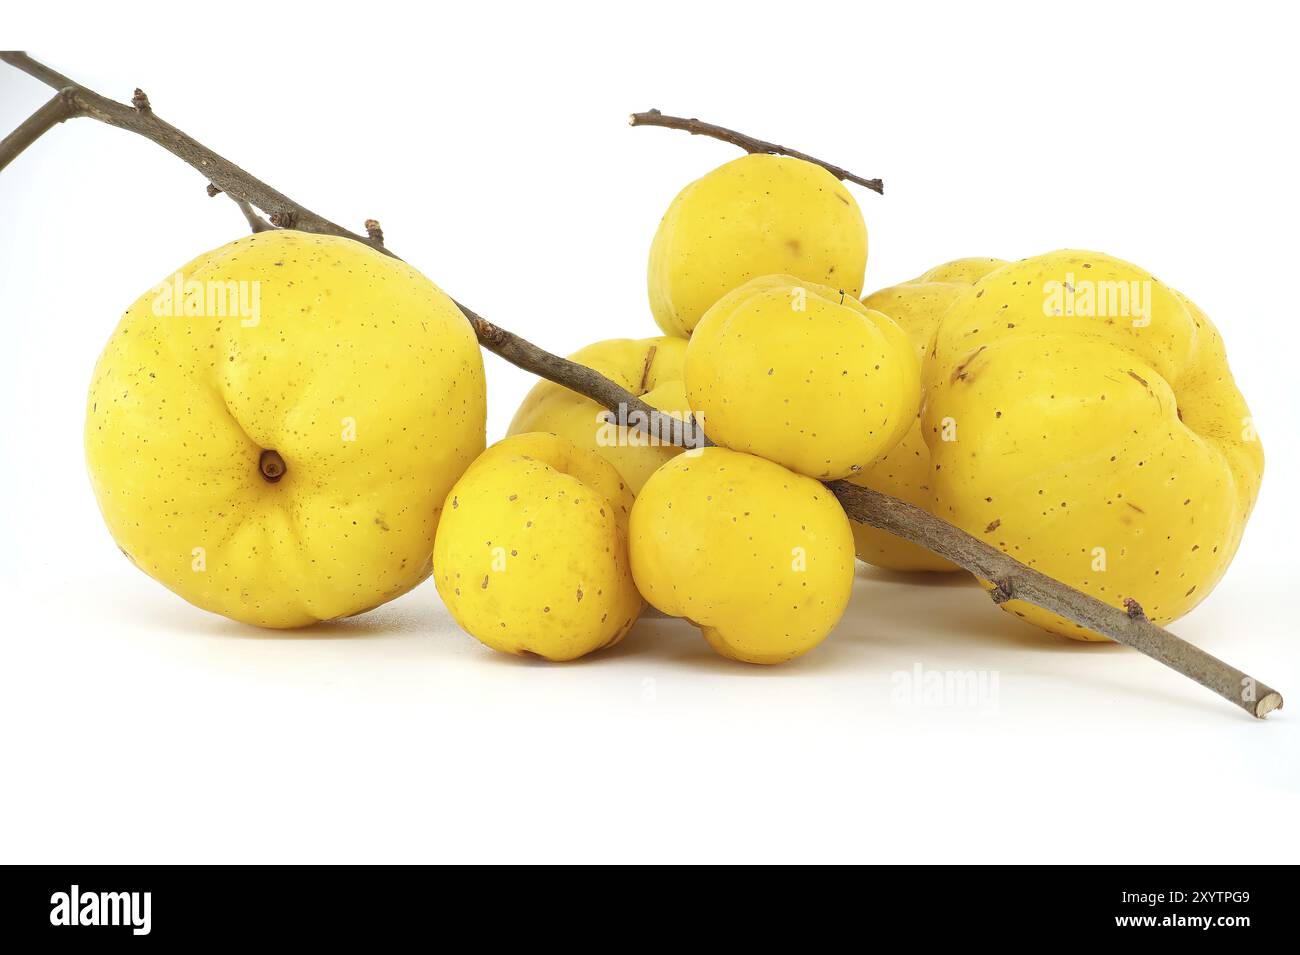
{"x":756,"y":556}
{"x":649,"y":368}
{"x":904,"y":471}
{"x":757,"y":215}
{"x":802,"y":375}
{"x":271,"y":431}
{"x":1081,"y":417}
{"x":531,"y":555}
{"x":965,"y":271}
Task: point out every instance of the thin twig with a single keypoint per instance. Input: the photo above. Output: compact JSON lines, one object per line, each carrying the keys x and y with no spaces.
{"x":255,"y":222}
{"x":1012,"y":579}
{"x":629,"y":410}
{"x":748,"y":143}
{"x":219,"y":171}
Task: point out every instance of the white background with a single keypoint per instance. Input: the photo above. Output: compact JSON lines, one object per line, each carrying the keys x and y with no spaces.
{"x":492,"y":145}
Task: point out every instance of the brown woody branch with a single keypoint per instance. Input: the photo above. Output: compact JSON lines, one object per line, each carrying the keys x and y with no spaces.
{"x":219,"y":171}
{"x":629,"y":410}
{"x":1011,"y":579}
{"x":748,"y":143}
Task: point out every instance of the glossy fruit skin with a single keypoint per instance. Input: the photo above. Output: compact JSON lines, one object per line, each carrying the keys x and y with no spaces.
{"x":1106,"y":446}
{"x":756,"y":556}
{"x":354,"y":367}
{"x":531,"y":555}
{"x":650,"y":368}
{"x":904,"y":471}
{"x":798,"y":374}
{"x":756,"y":215}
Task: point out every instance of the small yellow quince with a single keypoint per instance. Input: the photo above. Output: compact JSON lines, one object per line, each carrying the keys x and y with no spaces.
{"x":756,"y":215}
{"x":756,"y":556}
{"x":650,"y":368}
{"x":1081,"y":416}
{"x":272,"y":430}
{"x":802,"y":375}
{"x":531,"y":555}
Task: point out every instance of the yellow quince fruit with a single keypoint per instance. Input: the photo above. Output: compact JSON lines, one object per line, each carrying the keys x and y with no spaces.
{"x":756,"y":215}
{"x":756,"y":556}
{"x":1081,"y":416}
{"x":272,"y":430}
{"x":532,"y":554}
{"x":802,"y":375}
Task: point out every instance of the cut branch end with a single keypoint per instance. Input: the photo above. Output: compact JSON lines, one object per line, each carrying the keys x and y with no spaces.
{"x":1269,"y":703}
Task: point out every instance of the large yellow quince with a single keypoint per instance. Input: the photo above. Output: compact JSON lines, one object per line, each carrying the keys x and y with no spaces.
{"x":649,"y":368}
{"x":757,"y":215}
{"x":756,"y":556}
{"x":802,"y":375}
{"x":271,"y":431}
{"x":1080,"y":416}
{"x":532,"y":554}
{"x":904,"y":470}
